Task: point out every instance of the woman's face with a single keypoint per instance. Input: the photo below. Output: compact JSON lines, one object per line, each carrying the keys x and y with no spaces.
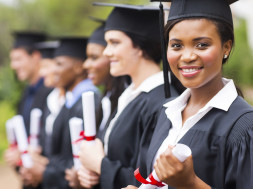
{"x":97,"y":65}
{"x":67,"y":69}
{"x":47,"y":71}
{"x":121,"y":53}
{"x":195,"y":53}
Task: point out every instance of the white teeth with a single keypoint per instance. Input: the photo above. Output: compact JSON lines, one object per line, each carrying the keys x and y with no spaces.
{"x":190,"y":70}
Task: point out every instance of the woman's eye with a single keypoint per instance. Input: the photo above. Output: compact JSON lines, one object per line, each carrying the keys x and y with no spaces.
{"x":114,"y":43}
{"x":93,"y":57}
{"x":202,"y":45}
{"x":176,"y":45}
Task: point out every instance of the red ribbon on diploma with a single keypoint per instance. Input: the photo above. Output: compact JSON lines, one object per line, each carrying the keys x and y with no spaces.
{"x":75,"y":156}
{"x":19,"y":163}
{"x":83,"y":136}
{"x":144,"y":181}
{"x":32,"y":136}
{"x":13,"y":145}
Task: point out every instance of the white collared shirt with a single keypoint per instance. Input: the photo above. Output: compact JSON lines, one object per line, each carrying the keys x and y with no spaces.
{"x":129,"y":95}
{"x":106,"y":108}
{"x":54,"y":104}
{"x":222,"y":100}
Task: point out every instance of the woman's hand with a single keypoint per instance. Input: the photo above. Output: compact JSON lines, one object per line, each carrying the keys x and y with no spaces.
{"x":12,"y":156}
{"x":177,"y":174}
{"x":91,"y":155}
{"x":72,"y":177}
{"x":37,"y":157}
{"x":33,"y":176}
{"x":87,"y":178}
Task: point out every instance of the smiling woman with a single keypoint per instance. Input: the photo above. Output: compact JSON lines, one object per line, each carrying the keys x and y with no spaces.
{"x":209,"y":117}
{"x":133,"y":48}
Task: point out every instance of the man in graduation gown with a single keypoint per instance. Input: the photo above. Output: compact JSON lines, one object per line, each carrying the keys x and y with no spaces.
{"x":56,"y":142}
{"x":25,"y":61}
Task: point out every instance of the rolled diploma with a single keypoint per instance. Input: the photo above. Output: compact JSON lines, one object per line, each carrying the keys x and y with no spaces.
{"x":75,"y":126}
{"x":10,"y":132}
{"x":35,"y":127}
{"x":181,"y":152}
{"x":88,"y":103}
{"x":21,"y":135}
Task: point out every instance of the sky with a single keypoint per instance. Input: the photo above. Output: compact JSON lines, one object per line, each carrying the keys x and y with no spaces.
{"x":8,"y":2}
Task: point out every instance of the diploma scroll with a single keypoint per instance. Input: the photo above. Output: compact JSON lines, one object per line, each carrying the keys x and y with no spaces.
{"x":75,"y":126}
{"x":35,"y":127}
{"x":181,"y":152}
{"x":10,"y":133}
{"x":20,"y":133}
{"x":88,"y":103}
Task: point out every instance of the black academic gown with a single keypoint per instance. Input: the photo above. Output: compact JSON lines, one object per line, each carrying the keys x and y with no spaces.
{"x":60,"y":156}
{"x":221,"y":144}
{"x":39,"y":96}
{"x":59,"y":149}
{"x":118,"y":166}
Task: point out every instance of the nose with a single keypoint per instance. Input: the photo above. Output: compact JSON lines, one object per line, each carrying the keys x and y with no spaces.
{"x":86,"y":64}
{"x":188,"y":55}
{"x":107,"y":51}
{"x":13,"y":64}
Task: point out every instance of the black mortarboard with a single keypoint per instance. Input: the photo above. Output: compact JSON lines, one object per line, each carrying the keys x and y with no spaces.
{"x":27,"y":39}
{"x":98,"y":34}
{"x":217,"y":9}
{"x":72,"y":46}
{"x":135,"y":19}
{"x":47,"y":48}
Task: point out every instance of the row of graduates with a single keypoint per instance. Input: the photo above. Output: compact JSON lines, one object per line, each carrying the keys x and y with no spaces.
{"x":139,"y":125}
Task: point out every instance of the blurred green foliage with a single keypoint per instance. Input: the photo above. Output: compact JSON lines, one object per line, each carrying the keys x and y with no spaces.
{"x":240,"y":65}
{"x":56,"y":18}
{"x":64,"y":17}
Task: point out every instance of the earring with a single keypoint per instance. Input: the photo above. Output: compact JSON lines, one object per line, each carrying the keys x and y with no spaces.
{"x":225,"y":56}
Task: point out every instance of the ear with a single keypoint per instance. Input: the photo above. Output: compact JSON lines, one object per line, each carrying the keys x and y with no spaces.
{"x":78,"y":67}
{"x":227,"y":46}
{"x":36,"y":56}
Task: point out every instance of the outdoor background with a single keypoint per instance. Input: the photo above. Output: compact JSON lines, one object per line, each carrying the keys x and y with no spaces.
{"x":71,"y":17}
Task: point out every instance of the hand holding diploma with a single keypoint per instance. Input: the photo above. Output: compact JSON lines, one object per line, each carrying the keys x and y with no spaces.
{"x":75,"y":126}
{"x":168,"y":167}
{"x":90,"y":155}
{"x":22,"y":140}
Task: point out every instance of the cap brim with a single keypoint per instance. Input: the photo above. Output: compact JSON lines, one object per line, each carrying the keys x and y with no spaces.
{"x":228,"y":1}
{"x":133,"y":7}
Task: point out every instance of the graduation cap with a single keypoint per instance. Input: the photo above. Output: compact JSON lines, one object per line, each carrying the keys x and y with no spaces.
{"x":136,"y":19}
{"x":98,"y":35}
{"x":217,"y":9}
{"x":72,"y":46}
{"x":47,"y":48}
{"x":27,"y":38}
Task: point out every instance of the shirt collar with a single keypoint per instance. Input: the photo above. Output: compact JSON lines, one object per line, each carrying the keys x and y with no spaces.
{"x":34,"y":88}
{"x":150,"y":83}
{"x":222,"y":100}
{"x":73,"y":96}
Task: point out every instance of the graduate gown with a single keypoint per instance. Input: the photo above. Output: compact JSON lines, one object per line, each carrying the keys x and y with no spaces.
{"x":138,"y":118}
{"x":221,"y":144}
{"x":60,"y":150}
{"x":33,"y":97}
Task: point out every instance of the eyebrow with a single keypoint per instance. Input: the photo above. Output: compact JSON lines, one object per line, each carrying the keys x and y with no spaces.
{"x":200,"y":38}
{"x":195,"y":39}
